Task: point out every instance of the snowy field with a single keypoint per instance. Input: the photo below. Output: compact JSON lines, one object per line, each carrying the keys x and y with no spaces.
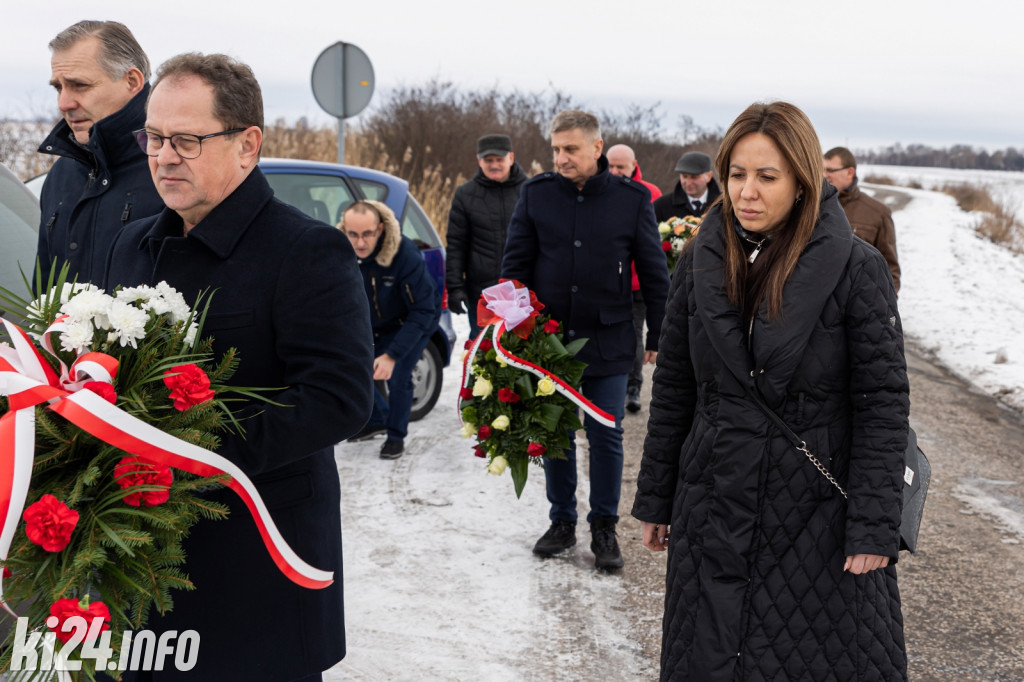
{"x":440,"y":581}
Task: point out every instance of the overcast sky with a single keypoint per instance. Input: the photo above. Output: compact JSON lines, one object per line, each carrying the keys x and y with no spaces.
{"x":868,"y":73}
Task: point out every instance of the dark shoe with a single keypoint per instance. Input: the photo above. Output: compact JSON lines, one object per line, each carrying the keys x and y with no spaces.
{"x":392,"y":449}
{"x":633,"y":401}
{"x":367,"y":432}
{"x":561,"y":535}
{"x":604,"y":545}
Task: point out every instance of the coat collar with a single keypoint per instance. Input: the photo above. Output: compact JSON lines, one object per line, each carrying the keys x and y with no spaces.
{"x":777,"y":345}
{"x":110,"y":140}
{"x":595,"y":184}
{"x":516,"y":176}
{"x":223,"y":228}
{"x":679,"y":195}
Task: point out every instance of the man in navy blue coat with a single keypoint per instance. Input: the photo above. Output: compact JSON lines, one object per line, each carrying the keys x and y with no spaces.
{"x":99,"y":181}
{"x":405,"y":306}
{"x":287,"y":294}
{"x":573,"y":236}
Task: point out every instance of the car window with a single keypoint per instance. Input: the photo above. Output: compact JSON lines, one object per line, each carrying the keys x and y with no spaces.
{"x":416,"y":226}
{"x":377,"y":191}
{"x":19,"y":222}
{"x":324,"y":197}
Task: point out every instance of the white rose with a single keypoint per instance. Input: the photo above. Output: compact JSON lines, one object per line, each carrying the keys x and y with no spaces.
{"x":501,"y":423}
{"x":468,"y":430}
{"x":497,"y":465}
{"x":482,"y":388}
{"x":545,"y":386}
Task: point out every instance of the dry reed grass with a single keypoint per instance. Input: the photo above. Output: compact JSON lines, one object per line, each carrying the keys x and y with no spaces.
{"x":998,"y":222}
{"x":18,"y":144}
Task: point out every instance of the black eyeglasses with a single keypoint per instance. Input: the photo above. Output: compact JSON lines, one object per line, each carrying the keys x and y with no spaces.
{"x":184,"y":145}
{"x":836,"y":170}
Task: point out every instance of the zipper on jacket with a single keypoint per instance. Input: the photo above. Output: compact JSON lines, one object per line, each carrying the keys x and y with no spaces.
{"x":409,"y":294}
{"x":800,"y":408}
{"x":127,"y":209}
{"x":50,"y":222}
{"x":376,"y":303}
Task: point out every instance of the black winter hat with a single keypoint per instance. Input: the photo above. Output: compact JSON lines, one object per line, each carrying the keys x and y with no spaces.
{"x":499,"y":145}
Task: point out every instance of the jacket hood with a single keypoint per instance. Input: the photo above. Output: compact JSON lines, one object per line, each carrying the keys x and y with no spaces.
{"x":516,"y":176}
{"x":391,"y":239}
{"x":110,"y":139}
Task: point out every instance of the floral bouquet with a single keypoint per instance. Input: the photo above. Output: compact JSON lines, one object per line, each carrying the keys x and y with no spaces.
{"x":119,"y":390}
{"x":675,"y":232}
{"x":519,"y":397}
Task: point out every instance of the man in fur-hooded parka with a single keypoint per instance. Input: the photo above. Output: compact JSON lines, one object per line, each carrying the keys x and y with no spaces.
{"x":755,"y":583}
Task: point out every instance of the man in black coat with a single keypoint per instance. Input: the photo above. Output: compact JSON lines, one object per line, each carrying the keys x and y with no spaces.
{"x":695,"y":191}
{"x":573,"y":236}
{"x":100,"y":181}
{"x":286,"y":292}
{"x":478,"y":225}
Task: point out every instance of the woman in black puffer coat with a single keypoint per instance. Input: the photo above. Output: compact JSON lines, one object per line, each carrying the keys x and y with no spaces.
{"x":772,"y":574}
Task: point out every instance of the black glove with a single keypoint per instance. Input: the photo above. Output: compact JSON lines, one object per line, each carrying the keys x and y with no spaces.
{"x":457,"y":302}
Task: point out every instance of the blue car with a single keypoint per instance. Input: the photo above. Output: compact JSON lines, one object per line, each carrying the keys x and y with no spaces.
{"x":324,"y":191}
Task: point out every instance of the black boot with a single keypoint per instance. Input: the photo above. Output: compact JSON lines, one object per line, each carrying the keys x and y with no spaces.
{"x":561,"y":535}
{"x":603,"y":543}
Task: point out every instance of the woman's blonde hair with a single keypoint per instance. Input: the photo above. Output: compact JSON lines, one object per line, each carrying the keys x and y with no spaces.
{"x":791,"y":131}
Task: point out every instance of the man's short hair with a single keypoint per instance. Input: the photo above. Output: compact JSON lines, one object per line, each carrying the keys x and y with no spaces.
{"x":119,"y":50}
{"x":237,"y":98}
{"x":571,"y":119}
{"x":845,"y":156}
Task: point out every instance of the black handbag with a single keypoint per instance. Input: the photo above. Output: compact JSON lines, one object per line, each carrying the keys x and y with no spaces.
{"x":917,"y":474}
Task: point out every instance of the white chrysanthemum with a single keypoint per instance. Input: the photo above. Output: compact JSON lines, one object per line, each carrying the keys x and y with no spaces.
{"x":132,"y":294}
{"x":87,"y":304}
{"x":77,"y":337}
{"x":69,"y":289}
{"x":158,"y":305}
{"x":129,"y":322}
{"x":190,"y":336}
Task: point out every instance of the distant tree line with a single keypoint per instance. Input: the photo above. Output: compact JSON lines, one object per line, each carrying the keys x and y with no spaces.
{"x":958,"y":156}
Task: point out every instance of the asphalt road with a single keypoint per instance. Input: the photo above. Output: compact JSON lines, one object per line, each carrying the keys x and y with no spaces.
{"x":963,"y":592}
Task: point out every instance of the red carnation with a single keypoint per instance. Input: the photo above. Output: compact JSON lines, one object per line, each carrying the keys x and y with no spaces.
{"x":535,"y":449}
{"x":49,"y":522}
{"x":507,"y":395}
{"x":468,"y":344}
{"x":7,"y":572}
{"x":479,"y":452}
{"x":666,"y":246}
{"x":102,"y":389}
{"x":486,"y":345}
{"x":466,"y":393}
{"x":189,"y":386}
{"x":131,"y":472}
{"x":552,"y":326}
{"x":484,"y":432}
{"x":62,"y":609}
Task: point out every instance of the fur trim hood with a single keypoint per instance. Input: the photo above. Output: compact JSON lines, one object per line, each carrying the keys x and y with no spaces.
{"x":390,"y":239}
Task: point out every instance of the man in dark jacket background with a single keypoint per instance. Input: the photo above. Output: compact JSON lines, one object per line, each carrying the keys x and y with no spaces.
{"x":405,"y":306}
{"x":101,"y":179}
{"x":288,"y":296}
{"x":573,"y":237}
{"x":478,"y":225}
{"x":695,"y":191}
{"x":871,"y":220}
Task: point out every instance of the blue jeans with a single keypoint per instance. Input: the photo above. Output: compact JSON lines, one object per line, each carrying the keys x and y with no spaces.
{"x":393,"y":413}
{"x":608,"y":393}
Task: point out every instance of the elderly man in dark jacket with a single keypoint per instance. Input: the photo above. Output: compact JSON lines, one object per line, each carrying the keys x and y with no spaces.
{"x":573,"y":237}
{"x":478,"y":225}
{"x":695,"y":191}
{"x":100,"y":181}
{"x":405,"y":306}
{"x":286,"y":293}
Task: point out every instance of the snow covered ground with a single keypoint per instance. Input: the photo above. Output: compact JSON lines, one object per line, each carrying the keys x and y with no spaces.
{"x":440,"y":582}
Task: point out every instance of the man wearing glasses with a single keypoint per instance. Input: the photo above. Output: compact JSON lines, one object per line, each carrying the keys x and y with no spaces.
{"x":871,"y":220}
{"x":99,"y":181}
{"x":287,"y":294}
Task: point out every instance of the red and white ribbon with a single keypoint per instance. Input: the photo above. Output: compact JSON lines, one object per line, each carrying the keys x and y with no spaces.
{"x":28,"y":380}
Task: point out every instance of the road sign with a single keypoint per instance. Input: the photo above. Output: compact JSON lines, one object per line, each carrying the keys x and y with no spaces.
{"x":343,"y":84}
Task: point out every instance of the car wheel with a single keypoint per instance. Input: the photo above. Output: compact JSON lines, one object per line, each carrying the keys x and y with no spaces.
{"x":426,"y":383}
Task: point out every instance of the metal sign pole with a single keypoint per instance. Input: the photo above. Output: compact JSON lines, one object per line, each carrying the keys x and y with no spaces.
{"x":341,"y":140}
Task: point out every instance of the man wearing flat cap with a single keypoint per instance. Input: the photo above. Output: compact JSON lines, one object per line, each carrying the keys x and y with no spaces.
{"x":478,"y":223}
{"x":695,"y":191}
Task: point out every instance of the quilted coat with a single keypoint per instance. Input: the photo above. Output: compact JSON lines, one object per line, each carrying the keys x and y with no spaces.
{"x":755,"y":586}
